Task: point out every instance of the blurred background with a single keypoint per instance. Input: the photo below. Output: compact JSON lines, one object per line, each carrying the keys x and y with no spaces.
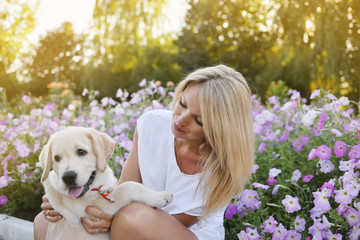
{"x":110,"y":44}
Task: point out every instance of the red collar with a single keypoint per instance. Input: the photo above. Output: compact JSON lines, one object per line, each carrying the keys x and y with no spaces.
{"x":104,"y":194}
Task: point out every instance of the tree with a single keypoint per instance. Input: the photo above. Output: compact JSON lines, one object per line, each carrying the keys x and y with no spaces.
{"x":16,"y":22}
{"x":227,"y":31}
{"x":128,"y":44}
{"x":57,"y":58}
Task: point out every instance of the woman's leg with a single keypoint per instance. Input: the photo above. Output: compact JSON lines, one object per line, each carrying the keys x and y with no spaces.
{"x":40,"y":227}
{"x":139,"y":221}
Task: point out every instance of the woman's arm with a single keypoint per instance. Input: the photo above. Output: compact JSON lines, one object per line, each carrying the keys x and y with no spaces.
{"x":186,"y":220}
{"x":131,"y":171}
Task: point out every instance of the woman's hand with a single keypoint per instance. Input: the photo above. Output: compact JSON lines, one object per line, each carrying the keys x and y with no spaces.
{"x":48,"y":211}
{"x":98,"y":222}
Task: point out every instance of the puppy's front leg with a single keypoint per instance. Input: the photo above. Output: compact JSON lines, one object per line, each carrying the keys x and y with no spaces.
{"x":128,"y":192}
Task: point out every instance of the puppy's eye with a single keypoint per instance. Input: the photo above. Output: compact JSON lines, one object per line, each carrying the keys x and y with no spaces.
{"x":57,"y":158}
{"x":81,"y":152}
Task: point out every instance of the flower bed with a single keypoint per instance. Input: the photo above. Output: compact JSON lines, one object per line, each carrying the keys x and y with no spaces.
{"x":305,"y":182}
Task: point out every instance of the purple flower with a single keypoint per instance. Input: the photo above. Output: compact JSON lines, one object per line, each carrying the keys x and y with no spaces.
{"x":249,"y":199}
{"x":340,"y":149}
{"x":296,"y":175}
{"x":261,"y":147}
{"x":336,"y":236}
{"x":343,"y":196}
{"x":271,"y":181}
{"x":3,"y":181}
{"x":315,"y":94}
{"x":346,"y":165}
{"x":26,"y":99}
{"x":257,"y":128}
{"x":255,"y":168}
{"x":230,"y":211}
{"x":242,"y":235}
{"x":299,"y":224}
{"x":297,"y":146}
{"x":270,"y":225}
{"x":326,"y":166}
{"x":259,"y":185}
{"x":328,"y":186}
{"x":307,"y":178}
{"x":323,"y":152}
{"x":274,"y":172}
{"x":305,"y":139}
{"x":293,"y":235}
{"x":23,"y":150}
{"x":279,"y":233}
{"x":352,"y":217}
{"x":316,"y":229}
{"x":321,"y":201}
{"x":316,"y":212}
{"x":291,"y":204}
{"x":3,"y":200}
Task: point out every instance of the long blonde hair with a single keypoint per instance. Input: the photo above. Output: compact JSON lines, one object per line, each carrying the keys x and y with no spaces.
{"x":227,"y":155}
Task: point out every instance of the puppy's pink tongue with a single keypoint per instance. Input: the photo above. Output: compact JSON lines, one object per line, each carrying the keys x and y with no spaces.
{"x":75,"y":192}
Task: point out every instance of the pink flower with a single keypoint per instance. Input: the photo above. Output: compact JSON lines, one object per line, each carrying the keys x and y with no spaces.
{"x":323,"y":152}
{"x":312,"y":154}
{"x":340,"y":149}
{"x":291,"y":204}
{"x":271,"y":181}
{"x":3,"y":200}
{"x":307,"y":178}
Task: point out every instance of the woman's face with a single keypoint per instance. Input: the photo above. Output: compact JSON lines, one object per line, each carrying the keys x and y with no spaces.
{"x":187,"y":122}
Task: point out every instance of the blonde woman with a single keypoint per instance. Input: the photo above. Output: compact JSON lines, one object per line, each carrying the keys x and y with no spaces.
{"x":202,"y":151}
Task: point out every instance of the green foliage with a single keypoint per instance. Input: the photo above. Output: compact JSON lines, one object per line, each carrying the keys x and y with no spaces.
{"x":57,"y":58}
{"x":278,"y":89}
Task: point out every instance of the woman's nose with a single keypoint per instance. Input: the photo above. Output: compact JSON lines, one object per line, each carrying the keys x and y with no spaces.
{"x":183,"y":120}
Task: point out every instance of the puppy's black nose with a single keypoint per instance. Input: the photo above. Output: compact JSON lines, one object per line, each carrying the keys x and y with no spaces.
{"x":69,"y":177}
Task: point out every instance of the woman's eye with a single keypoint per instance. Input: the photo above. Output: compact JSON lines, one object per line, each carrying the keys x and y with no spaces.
{"x":81,"y":152}
{"x":198,"y":122}
{"x":182,"y":104}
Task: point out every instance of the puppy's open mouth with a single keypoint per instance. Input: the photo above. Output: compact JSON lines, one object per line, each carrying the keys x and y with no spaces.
{"x":77,"y":192}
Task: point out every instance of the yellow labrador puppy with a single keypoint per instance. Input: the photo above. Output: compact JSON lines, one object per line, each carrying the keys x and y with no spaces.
{"x":81,"y":177}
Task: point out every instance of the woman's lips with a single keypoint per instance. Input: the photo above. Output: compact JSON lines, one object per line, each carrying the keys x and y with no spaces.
{"x":177,"y":128}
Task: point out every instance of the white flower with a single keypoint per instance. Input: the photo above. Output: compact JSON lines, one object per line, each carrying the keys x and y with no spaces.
{"x":308,"y":118}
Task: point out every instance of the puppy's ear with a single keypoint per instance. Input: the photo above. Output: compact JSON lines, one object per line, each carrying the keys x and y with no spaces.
{"x":103,"y":146}
{"x":45,"y":161}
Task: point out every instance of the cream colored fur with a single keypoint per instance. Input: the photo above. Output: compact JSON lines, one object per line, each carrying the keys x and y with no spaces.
{"x":99,"y":147}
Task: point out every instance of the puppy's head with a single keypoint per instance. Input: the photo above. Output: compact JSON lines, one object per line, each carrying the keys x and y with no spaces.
{"x":75,"y":154}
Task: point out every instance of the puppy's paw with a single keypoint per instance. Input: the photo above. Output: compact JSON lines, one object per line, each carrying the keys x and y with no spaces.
{"x":160,"y":199}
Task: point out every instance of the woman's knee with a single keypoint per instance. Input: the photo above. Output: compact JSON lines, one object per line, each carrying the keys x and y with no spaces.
{"x":40,"y":227}
{"x":129,"y":219}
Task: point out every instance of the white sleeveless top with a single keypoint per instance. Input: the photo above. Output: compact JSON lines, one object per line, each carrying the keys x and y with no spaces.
{"x":160,"y":172}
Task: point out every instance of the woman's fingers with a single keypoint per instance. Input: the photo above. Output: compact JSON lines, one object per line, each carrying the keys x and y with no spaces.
{"x":49,"y":213}
{"x":98,"y":221}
